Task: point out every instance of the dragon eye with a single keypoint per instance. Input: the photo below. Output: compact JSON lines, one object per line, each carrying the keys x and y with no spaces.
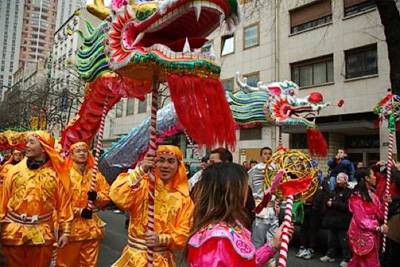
{"x":291,"y":92}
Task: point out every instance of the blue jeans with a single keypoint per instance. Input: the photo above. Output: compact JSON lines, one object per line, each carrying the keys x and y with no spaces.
{"x":332,"y":183}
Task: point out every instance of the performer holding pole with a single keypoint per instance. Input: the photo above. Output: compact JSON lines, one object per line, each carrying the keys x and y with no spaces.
{"x":172,"y":208}
{"x":157,"y":195}
{"x":87,"y":227}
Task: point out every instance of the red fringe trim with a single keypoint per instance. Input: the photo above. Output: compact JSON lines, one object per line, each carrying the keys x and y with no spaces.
{"x":202,"y":110}
{"x":316,"y":143}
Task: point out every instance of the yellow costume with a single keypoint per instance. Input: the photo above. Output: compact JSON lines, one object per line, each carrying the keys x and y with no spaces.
{"x":31,"y":201}
{"x":172,"y":219}
{"x":83,"y":243}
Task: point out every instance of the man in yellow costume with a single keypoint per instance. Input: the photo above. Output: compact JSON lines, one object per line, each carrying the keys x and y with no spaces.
{"x":87,"y":228}
{"x":173,"y":208}
{"x":36,"y":196}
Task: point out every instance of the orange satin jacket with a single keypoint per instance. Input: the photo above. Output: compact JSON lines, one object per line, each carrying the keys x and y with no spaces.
{"x":172,"y":219}
{"x":81,"y":228}
{"x":34,"y":193}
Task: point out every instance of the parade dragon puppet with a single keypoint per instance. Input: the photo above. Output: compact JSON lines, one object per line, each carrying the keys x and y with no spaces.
{"x":273,"y":104}
{"x":139,"y":44}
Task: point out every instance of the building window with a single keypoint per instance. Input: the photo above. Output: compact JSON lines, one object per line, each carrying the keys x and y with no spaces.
{"x":361,"y":141}
{"x":227,"y":44}
{"x":130,"y":106}
{"x":228,"y":85}
{"x":252,"y":79}
{"x":313,"y":72}
{"x":361,"y":61}
{"x":352,"y":7}
{"x":119,"y":108}
{"x":250,"y":134}
{"x":310,"y":16}
{"x":299,"y":141}
{"x":251,"y":36}
{"x":143,"y":105}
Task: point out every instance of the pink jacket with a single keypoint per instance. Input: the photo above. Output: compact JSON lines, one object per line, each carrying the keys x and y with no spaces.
{"x":366,"y":216}
{"x":220,"y":245}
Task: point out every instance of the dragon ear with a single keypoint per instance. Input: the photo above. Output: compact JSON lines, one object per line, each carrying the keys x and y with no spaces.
{"x":275,"y":90}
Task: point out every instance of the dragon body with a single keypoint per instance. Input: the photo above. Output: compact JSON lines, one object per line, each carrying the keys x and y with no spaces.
{"x":277,"y":104}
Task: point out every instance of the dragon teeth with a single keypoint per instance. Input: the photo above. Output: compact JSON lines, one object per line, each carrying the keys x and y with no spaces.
{"x":197,"y":10}
{"x":138,"y":39}
{"x":186,"y":47}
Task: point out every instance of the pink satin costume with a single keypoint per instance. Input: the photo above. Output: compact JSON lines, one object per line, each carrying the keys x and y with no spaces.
{"x":220,"y":245}
{"x":363,"y":237}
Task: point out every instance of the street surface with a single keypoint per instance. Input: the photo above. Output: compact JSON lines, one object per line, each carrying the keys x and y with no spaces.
{"x":112,"y":246}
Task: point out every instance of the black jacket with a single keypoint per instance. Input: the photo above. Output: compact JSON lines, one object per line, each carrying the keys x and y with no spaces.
{"x":338,"y":215}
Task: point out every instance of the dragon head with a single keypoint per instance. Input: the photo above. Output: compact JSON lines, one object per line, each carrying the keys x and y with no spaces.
{"x":140,"y":44}
{"x":282,"y":106}
{"x":156,"y":38}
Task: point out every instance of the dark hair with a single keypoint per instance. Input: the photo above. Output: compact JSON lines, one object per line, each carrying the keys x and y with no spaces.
{"x":224,"y":154}
{"x":361,"y":186}
{"x":220,"y":195}
{"x":205,"y":158}
{"x":253,"y":161}
{"x":265,"y":148}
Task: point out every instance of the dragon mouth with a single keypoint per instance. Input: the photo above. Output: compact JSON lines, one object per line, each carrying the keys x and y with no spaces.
{"x":191,"y":23}
{"x":179,"y":33}
{"x":168,"y":37}
{"x":305,"y":113}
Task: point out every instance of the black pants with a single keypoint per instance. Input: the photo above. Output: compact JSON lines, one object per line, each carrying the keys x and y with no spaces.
{"x":338,"y":237}
{"x":310,"y":228}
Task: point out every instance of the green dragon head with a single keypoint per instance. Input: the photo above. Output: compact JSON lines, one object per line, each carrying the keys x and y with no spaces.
{"x":276,"y":103}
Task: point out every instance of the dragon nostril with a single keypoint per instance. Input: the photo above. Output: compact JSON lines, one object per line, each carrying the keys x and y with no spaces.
{"x":315,"y":98}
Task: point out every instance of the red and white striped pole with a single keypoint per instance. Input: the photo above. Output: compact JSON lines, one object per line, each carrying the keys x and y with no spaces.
{"x":283,"y":252}
{"x":196,"y":149}
{"x":152,"y":150}
{"x":55,"y":248}
{"x":280,"y":136}
{"x":97,"y":153}
{"x":388,"y":178}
